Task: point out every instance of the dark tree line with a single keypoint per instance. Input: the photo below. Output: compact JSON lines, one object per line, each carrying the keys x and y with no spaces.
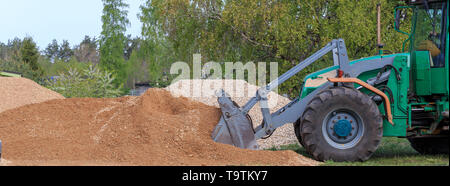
{"x":21,"y":56}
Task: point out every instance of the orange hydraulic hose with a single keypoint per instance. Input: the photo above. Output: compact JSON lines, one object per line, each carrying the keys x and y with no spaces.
{"x":371,"y":88}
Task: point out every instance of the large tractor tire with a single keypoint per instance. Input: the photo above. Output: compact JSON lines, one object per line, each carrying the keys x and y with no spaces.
{"x":297,"y":127}
{"x":341,"y":124}
{"x":430,"y":145}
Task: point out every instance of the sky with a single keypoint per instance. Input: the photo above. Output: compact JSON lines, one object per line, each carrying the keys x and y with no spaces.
{"x":45,"y":20}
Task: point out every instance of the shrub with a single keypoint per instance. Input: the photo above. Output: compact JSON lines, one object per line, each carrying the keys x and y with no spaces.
{"x":89,"y":82}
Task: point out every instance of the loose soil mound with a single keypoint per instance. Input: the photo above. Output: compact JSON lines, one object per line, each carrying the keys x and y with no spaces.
{"x":241,"y":92}
{"x":16,"y":92}
{"x":153,"y":129}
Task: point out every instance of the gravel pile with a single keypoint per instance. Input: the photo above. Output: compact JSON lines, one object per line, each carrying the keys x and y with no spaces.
{"x":16,"y":92}
{"x":153,"y":129}
{"x":240,"y":91}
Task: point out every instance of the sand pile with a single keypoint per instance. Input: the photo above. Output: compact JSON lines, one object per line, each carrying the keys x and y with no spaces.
{"x":16,"y":92}
{"x":153,"y":129}
{"x":241,"y":92}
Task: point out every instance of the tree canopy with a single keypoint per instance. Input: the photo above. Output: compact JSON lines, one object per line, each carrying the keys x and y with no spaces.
{"x":112,"y":39}
{"x":282,"y":31}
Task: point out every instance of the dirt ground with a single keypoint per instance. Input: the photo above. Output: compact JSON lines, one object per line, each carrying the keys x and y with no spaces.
{"x":152,"y":129}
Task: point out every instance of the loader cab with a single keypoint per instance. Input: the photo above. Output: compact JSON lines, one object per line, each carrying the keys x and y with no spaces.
{"x":430,"y":30}
{"x":428,"y":47}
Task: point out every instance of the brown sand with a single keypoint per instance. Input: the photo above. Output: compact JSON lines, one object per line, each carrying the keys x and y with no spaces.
{"x":153,"y":129}
{"x":240,"y":92}
{"x":16,"y":92}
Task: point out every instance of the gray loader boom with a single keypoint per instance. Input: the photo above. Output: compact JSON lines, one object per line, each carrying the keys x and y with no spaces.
{"x":235,"y":127}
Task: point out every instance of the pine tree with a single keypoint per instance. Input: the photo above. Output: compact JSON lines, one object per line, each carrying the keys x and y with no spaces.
{"x":29,"y":54}
{"x":65,"y":52}
{"x":52,"y":50}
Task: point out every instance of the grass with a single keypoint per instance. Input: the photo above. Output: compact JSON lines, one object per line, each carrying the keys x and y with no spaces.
{"x":391,"y":152}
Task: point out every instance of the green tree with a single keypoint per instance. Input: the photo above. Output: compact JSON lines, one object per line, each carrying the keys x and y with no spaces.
{"x":30,"y":54}
{"x":160,"y":50}
{"x":87,"y":82}
{"x":87,"y":50}
{"x":65,"y":52}
{"x":52,"y":50}
{"x":136,"y":69}
{"x":3,"y":50}
{"x":273,"y":30}
{"x":112,"y":39}
{"x":11,"y":50}
{"x":131,"y":44}
{"x":22,"y":56}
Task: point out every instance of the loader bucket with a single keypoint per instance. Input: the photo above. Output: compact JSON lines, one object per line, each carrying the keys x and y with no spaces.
{"x":234,"y":127}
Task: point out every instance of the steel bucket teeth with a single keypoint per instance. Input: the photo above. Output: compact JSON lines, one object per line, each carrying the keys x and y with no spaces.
{"x":234,"y":127}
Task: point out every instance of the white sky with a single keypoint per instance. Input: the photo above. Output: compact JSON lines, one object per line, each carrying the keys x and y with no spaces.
{"x":45,"y":20}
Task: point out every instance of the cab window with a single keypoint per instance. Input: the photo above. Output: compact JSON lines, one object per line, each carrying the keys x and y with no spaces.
{"x":430,"y":31}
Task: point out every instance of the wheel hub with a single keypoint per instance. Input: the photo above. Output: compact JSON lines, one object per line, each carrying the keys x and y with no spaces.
{"x":342,"y":128}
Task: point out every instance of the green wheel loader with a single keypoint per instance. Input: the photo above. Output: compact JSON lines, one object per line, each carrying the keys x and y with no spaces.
{"x":343,"y":111}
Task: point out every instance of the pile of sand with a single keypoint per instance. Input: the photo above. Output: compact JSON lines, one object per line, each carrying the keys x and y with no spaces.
{"x":16,"y":92}
{"x":241,"y":92}
{"x":153,"y":129}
